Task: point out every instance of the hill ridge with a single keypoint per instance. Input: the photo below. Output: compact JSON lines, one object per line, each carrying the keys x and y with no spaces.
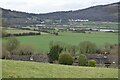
{"x":107,"y":13}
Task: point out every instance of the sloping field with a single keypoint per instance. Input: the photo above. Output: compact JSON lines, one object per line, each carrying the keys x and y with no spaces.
{"x":23,"y":69}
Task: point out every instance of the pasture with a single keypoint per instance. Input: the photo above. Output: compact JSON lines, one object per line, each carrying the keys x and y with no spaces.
{"x":17,"y":31}
{"x":24,"y":69}
{"x":42,"y":42}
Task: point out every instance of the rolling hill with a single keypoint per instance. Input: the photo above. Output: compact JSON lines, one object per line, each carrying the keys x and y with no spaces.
{"x":25,"y":69}
{"x":96,"y":13}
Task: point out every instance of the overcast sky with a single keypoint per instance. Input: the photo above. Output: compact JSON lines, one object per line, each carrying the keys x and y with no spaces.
{"x":45,"y":6}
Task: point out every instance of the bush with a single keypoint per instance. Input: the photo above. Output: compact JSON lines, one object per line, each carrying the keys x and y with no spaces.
{"x":72,"y":49}
{"x":4,"y":54}
{"x":65,"y":58}
{"x":82,"y":61}
{"x":23,"y":50}
{"x":12,"y":44}
{"x":92,"y":63}
{"x":3,"y":32}
{"x":54,"y":53}
{"x":87,"y":47}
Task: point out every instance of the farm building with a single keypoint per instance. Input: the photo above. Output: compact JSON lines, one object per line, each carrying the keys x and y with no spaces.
{"x":106,"y":30}
{"x":100,"y":59}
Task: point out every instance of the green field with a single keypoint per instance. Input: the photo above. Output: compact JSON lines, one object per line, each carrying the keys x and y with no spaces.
{"x":23,"y":69}
{"x":41,"y":42}
{"x":17,"y":31}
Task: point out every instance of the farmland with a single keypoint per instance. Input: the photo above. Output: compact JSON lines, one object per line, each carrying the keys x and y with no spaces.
{"x":67,"y":44}
{"x":17,"y":31}
{"x":42,"y":42}
{"x":23,"y":69}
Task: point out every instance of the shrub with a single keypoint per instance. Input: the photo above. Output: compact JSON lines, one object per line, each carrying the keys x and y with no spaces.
{"x":87,"y":47}
{"x":82,"y":61}
{"x":53,"y":55}
{"x":65,"y":58}
{"x":3,"y":32}
{"x":23,"y":50}
{"x":92,"y":63}
{"x":72,"y":49}
{"x":12,"y":44}
{"x":4,"y":54}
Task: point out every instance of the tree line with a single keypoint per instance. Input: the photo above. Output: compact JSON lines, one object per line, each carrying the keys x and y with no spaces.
{"x":20,"y":34}
{"x":59,"y":53}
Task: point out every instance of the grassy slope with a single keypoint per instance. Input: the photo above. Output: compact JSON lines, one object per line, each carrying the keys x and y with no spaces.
{"x":42,"y":42}
{"x":45,"y":70}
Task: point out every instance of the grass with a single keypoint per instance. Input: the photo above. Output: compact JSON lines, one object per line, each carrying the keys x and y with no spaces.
{"x":23,"y":69}
{"x":13,"y":31}
{"x":16,"y":31}
{"x":42,"y":42}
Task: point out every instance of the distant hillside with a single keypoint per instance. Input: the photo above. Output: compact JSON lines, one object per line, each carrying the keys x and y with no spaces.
{"x":96,"y":13}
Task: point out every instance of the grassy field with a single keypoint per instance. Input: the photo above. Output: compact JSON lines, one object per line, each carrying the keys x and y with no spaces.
{"x":19,"y":31}
{"x":23,"y":69}
{"x":41,"y":42}
{"x":16,"y":31}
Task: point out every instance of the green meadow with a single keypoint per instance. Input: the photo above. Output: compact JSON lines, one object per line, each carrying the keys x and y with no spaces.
{"x":25,"y":69}
{"x":42,"y":42}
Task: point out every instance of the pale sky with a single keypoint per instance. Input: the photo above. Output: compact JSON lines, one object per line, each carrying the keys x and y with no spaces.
{"x":45,"y":6}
